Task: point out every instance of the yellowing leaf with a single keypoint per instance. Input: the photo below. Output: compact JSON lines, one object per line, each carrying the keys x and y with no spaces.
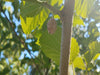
{"x":78,"y":63}
{"x":74,"y":49}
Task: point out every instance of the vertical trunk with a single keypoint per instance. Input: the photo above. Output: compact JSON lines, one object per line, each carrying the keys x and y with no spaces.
{"x":66,"y":17}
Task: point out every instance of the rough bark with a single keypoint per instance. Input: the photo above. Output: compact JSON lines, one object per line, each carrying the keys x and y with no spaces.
{"x":66,"y":17}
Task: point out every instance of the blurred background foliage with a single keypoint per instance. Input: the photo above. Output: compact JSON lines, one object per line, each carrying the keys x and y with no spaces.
{"x":21,"y":54}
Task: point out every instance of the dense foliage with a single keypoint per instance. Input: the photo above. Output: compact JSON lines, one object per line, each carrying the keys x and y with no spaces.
{"x":27,"y":48}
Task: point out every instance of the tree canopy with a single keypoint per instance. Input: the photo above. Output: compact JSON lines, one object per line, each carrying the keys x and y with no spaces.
{"x":26,"y":47}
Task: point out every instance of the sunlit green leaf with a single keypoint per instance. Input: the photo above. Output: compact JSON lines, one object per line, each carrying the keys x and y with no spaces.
{"x":1,"y":67}
{"x":28,"y":25}
{"x":37,"y":13}
{"x":78,"y":63}
{"x":53,"y":2}
{"x":83,"y":7}
{"x":77,"y":21}
{"x":74,"y":49}
{"x":56,"y":16}
{"x":96,"y":56}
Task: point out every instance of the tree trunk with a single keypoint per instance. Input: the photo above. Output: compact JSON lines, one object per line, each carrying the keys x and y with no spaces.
{"x":66,"y":17}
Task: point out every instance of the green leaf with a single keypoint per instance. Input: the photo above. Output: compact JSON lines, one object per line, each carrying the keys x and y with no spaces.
{"x":1,"y":67}
{"x":94,"y":48}
{"x":98,"y":62}
{"x":5,"y":47}
{"x":16,"y":6}
{"x":30,"y":9}
{"x":74,"y":49}
{"x":50,"y":44}
{"x":4,"y":21}
{"x":83,"y":7}
{"x":89,"y":66}
{"x":88,"y":57}
{"x":92,"y":54}
{"x":95,"y":12}
{"x":78,"y":63}
{"x":34,"y":14}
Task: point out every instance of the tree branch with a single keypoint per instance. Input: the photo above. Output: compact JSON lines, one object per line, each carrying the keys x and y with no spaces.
{"x":22,"y":41}
{"x":51,"y":8}
{"x":66,"y":17}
